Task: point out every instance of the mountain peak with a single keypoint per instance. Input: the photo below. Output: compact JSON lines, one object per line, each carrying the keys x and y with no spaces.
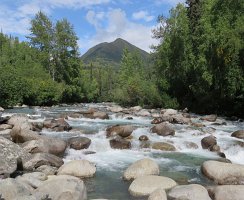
{"x":111,"y":52}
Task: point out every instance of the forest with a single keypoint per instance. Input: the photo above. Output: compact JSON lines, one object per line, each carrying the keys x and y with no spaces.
{"x":198,"y":64}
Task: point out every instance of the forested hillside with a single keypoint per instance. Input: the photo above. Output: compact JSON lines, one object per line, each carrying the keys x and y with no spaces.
{"x":199,"y":64}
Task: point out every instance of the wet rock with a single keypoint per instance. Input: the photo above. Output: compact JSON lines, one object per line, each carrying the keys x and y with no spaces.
{"x":48,"y":170}
{"x":121,"y":130}
{"x":141,"y":168}
{"x":119,"y":143}
{"x":189,"y":192}
{"x":158,"y":194}
{"x":143,"y":138}
{"x":145,"y":144}
{"x":78,"y":143}
{"x":191,"y":145}
{"x":11,"y":188}
{"x":238,"y":134}
{"x":163,"y":129}
{"x":34,"y":179}
{"x":11,"y":155}
{"x":208,"y":142}
{"x":163,"y":146}
{"x":94,"y":114}
{"x":136,"y":108}
{"x":129,"y":118}
{"x":198,"y":125}
{"x":75,"y":115}
{"x":5,"y":126}
{"x":215,"y":148}
{"x":228,"y":192}
{"x":222,"y":172}
{"x":57,"y":124}
{"x":63,"y":188}
{"x":145,"y":185}
{"x":39,"y":159}
{"x":210,"y":118}
{"x":158,"y":120}
{"x":78,"y":168}
{"x":45,"y":144}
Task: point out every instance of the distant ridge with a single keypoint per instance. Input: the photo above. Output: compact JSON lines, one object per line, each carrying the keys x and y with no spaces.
{"x":111,"y":52}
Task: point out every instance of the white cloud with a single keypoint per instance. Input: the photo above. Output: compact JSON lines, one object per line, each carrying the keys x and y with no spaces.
{"x":15,"y":19}
{"x":142,"y":15}
{"x":94,"y":18}
{"x":169,"y":2}
{"x":119,"y":26}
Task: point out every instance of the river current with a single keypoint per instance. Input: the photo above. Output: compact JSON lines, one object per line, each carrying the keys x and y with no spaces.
{"x":183,"y":165}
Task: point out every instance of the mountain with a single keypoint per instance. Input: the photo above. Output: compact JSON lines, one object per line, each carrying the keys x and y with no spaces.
{"x":111,"y":53}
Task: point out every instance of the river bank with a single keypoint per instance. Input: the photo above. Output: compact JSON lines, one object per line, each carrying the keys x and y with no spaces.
{"x":179,"y":150}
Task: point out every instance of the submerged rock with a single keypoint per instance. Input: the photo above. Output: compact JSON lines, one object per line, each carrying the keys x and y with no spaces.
{"x":189,"y":192}
{"x":223,"y":173}
{"x":143,"y":138}
{"x":238,"y":134}
{"x":163,"y":146}
{"x":145,"y":185}
{"x":163,"y":129}
{"x":78,"y":168}
{"x":141,"y":168}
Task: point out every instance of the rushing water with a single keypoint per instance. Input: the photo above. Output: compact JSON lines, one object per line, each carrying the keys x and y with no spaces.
{"x":183,"y":166}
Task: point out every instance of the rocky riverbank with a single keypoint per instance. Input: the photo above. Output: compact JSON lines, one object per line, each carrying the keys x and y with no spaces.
{"x":37,"y":152}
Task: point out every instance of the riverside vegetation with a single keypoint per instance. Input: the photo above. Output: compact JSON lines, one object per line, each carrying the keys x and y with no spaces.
{"x":198,"y":64}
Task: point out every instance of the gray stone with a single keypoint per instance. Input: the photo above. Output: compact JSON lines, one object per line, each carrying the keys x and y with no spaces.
{"x":39,"y":159}
{"x":210,"y":118}
{"x":141,"y":167}
{"x":222,"y":172}
{"x":189,"y":192}
{"x":5,"y":126}
{"x":63,"y":188}
{"x":163,"y":129}
{"x":78,"y":143}
{"x":208,"y":142}
{"x":48,"y":170}
{"x":238,"y":134}
{"x":163,"y":146}
{"x":145,"y":185}
{"x":11,"y":154}
{"x":78,"y":168}
{"x":158,"y":194}
{"x":34,"y":179}
{"x":121,"y":130}
{"x":119,"y":143}
{"x":228,"y":192}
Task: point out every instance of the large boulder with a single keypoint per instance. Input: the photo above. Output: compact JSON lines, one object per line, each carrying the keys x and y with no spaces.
{"x":48,"y":170}
{"x":94,"y":114}
{"x":189,"y":192}
{"x":143,"y":113}
{"x":78,"y":168}
{"x":5,"y":126}
{"x":228,"y":192}
{"x":145,"y":185}
{"x":6,"y":133}
{"x":11,"y":188}
{"x":238,"y":134}
{"x":223,"y":173}
{"x":163,"y":146}
{"x":45,"y":144}
{"x":57,"y":124}
{"x":62,"y":188}
{"x":158,"y":194}
{"x":121,"y":130}
{"x":168,"y":112}
{"x":163,"y":129}
{"x":34,"y":179}
{"x":181,"y":119}
{"x":119,"y":143}
{"x":20,"y":120}
{"x":21,"y":135}
{"x":11,"y":156}
{"x":39,"y":159}
{"x":116,"y":109}
{"x":208,"y":142}
{"x":141,"y":168}
{"x":210,"y":118}
{"x":78,"y":143}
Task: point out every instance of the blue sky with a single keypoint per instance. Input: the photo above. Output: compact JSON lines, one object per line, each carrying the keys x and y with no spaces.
{"x":94,"y":21}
